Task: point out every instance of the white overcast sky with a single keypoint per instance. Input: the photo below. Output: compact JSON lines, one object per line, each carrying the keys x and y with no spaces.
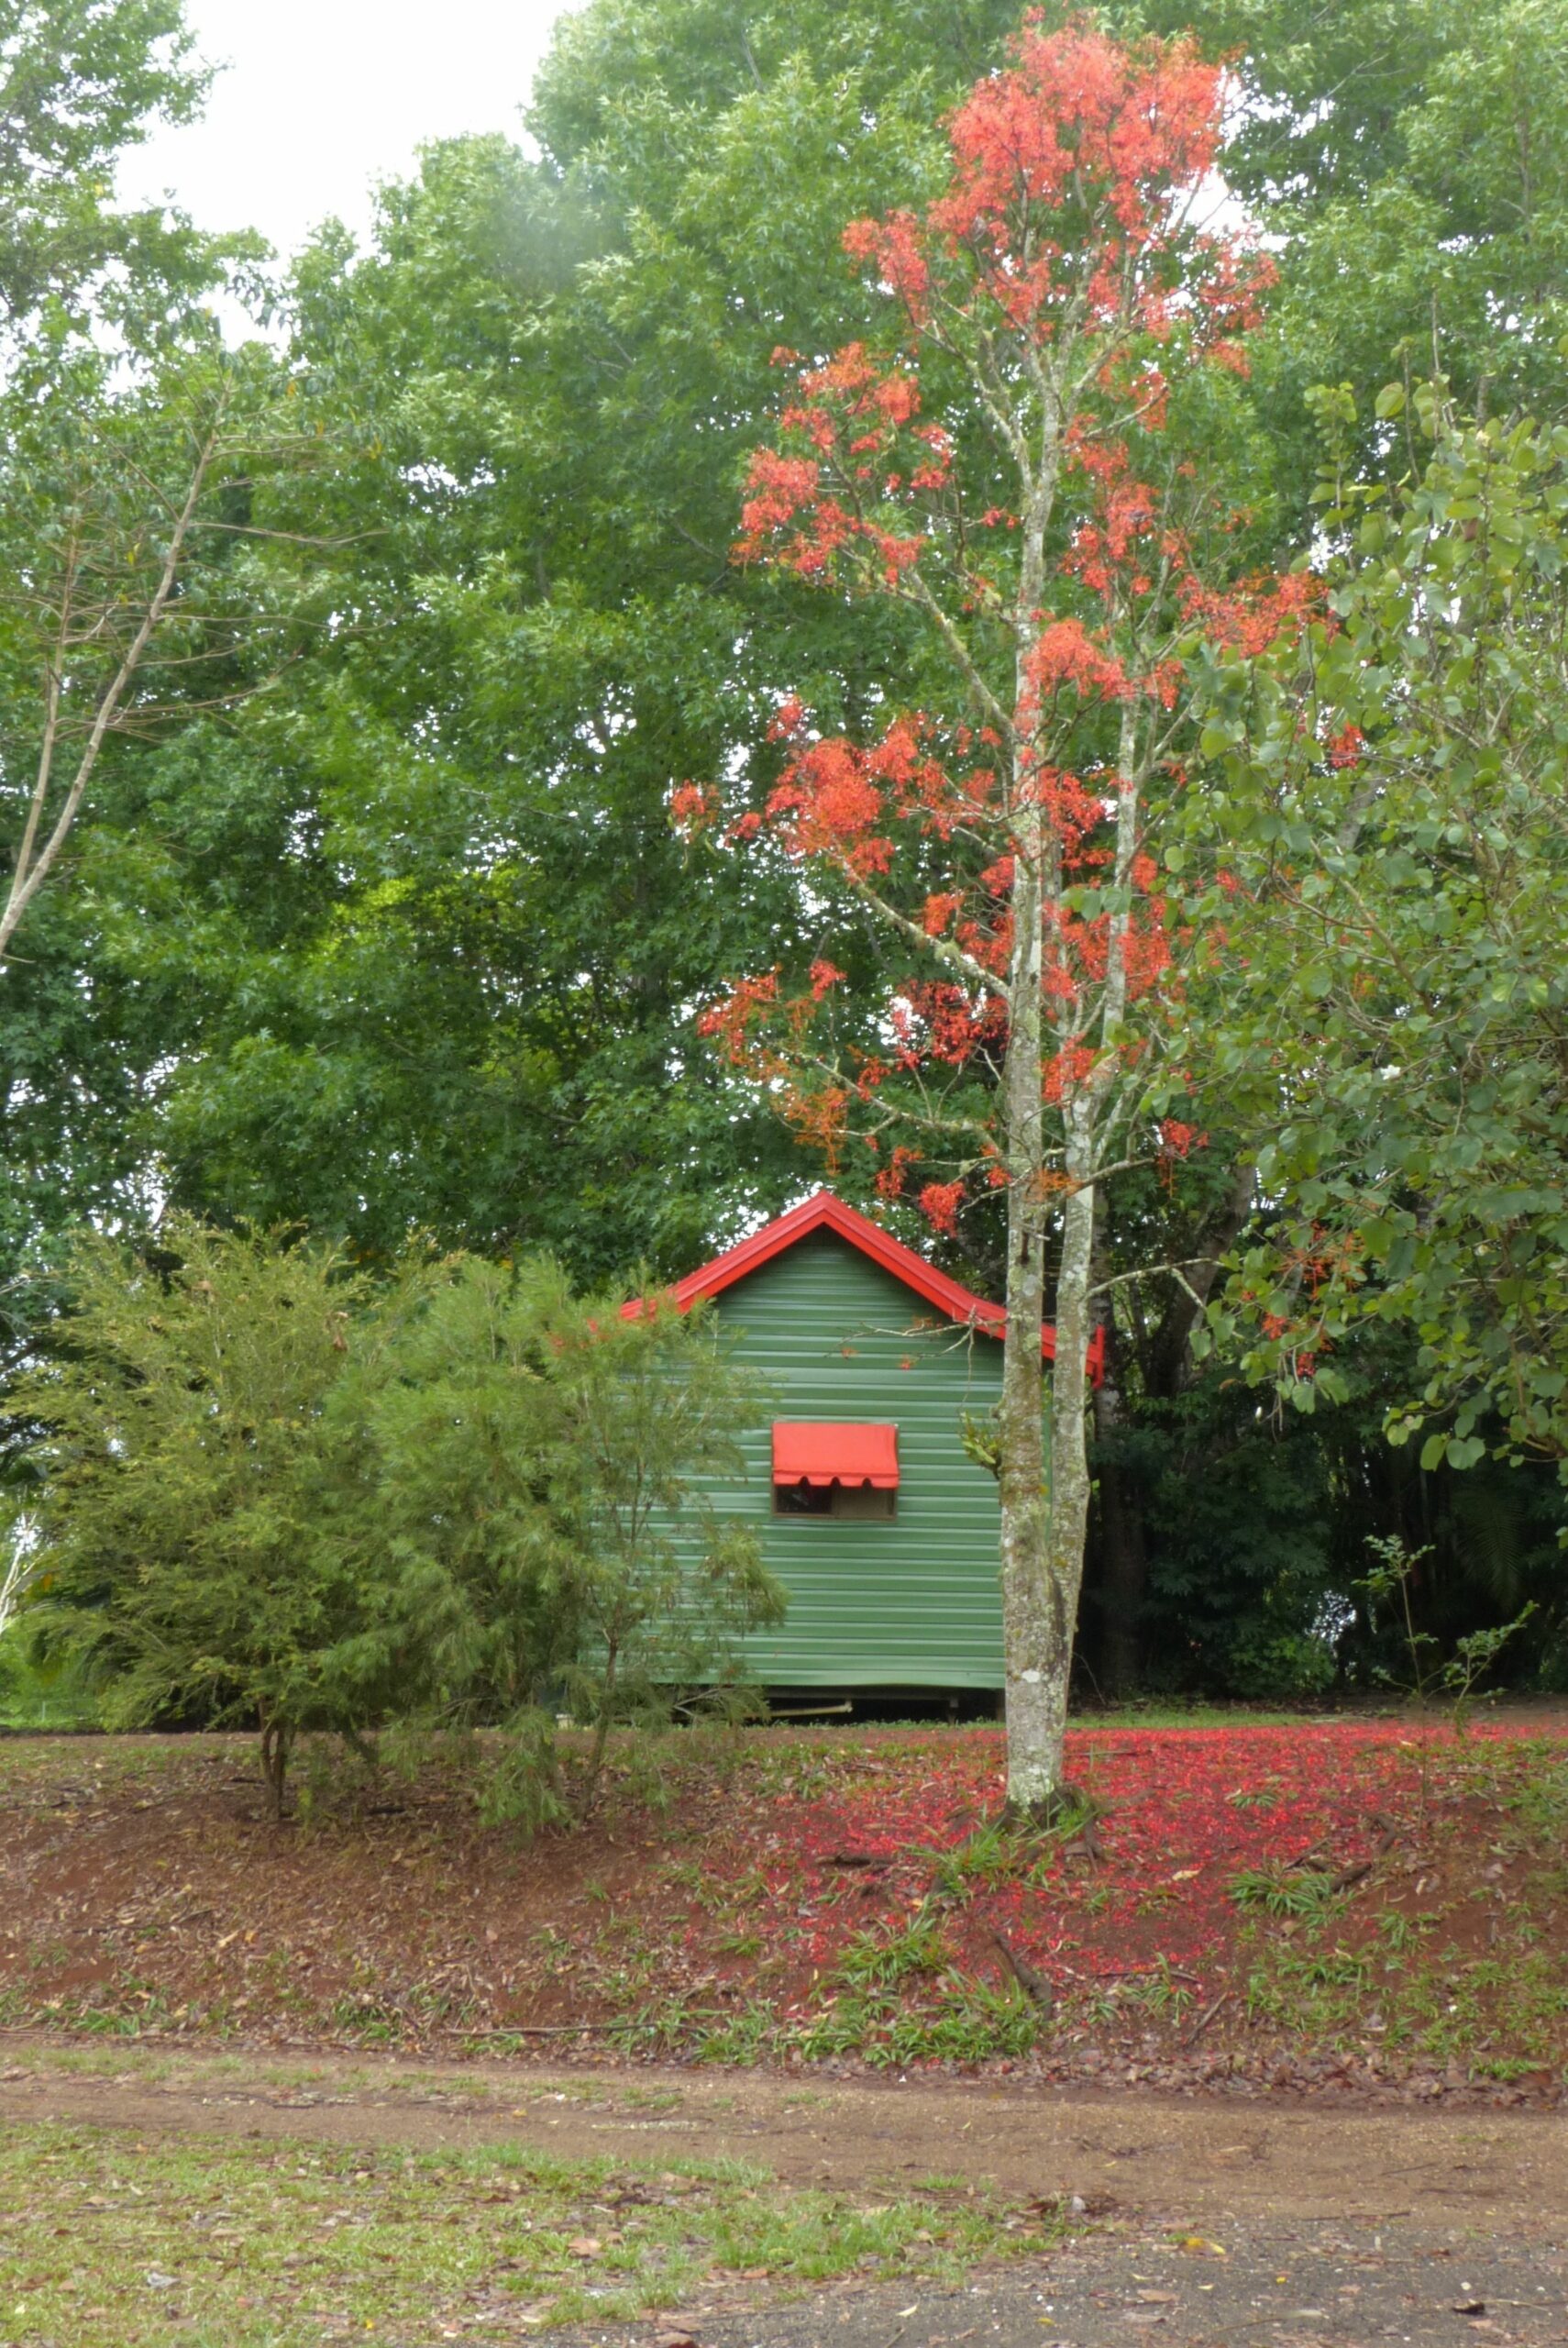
{"x":321,"y":98}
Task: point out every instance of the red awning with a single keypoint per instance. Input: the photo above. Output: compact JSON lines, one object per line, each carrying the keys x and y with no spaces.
{"x":835,"y":1451}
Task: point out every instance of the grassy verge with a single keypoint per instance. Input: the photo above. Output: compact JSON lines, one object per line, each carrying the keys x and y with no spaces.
{"x":113,"y":2244}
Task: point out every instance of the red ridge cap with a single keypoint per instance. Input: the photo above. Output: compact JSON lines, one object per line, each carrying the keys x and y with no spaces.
{"x":824,"y":1211}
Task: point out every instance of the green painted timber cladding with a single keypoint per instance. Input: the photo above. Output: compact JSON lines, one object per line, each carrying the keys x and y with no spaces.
{"x":910,"y":1601}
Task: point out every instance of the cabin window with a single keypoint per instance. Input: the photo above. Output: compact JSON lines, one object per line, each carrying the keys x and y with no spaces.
{"x":843,"y":1467}
{"x":856,"y":1501}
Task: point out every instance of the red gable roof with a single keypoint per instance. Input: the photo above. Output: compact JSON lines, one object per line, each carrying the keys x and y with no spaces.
{"x":824,"y":1211}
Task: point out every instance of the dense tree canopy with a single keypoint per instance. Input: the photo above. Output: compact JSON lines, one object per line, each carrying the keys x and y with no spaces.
{"x":1393,"y":846}
{"x":80,"y":81}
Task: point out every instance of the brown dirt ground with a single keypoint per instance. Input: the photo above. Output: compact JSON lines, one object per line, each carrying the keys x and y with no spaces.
{"x":1202,"y":2226}
{"x":143,"y":1889}
{"x":1203,"y":2162}
{"x":148,"y":1892}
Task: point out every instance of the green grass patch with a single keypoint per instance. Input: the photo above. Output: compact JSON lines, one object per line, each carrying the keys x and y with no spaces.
{"x":277,"y":2246}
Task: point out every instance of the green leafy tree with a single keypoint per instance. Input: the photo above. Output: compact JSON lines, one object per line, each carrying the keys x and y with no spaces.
{"x":81,"y":81}
{"x":1390,"y":829}
{"x":174,"y":1487}
{"x":138,"y":614}
{"x":120,"y":610}
{"x":475,"y":948}
{"x":1408,"y":157}
{"x":115,"y":405}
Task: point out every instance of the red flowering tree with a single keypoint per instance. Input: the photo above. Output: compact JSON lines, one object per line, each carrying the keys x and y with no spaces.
{"x":1005,"y":467}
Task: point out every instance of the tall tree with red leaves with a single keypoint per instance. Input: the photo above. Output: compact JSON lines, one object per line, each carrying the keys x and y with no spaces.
{"x":1007,"y":467}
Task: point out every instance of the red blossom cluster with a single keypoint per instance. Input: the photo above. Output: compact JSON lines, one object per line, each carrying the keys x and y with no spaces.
{"x":854,"y":423}
{"x":1065,"y":653}
{"x":932,"y":1021}
{"x":1074,"y":177}
{"x":939,"y":1203}
{"x":1255,"y":614}
{"x":1178,"y":1139}
{"x":734,"y":1019}
{"x":694,"y":807}
{"x":1072,"y":168}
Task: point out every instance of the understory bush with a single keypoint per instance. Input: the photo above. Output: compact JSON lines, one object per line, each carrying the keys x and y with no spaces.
{"x":533,"y":1464}
{"x":41,"y":1696}
{"x":1254,"y":1525}
{"x":254,"y":1486}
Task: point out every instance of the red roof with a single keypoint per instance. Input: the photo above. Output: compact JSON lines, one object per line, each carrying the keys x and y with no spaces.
{"x":824,"y":1211}
{"x":835,"y":1451}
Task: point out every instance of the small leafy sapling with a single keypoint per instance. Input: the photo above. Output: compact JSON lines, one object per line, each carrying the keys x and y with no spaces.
{"x":1455,"y":1676}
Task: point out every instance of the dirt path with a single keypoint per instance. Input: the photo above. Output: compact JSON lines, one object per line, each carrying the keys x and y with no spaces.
{"x":1204,"y":2163}
{"x":1218,"y":2224}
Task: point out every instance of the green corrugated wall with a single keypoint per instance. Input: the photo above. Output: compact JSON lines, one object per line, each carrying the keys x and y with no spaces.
{"x":912,"y":1601}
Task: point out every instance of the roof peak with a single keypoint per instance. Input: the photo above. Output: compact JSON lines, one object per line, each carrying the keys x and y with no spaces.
{"x":825,"y":1211}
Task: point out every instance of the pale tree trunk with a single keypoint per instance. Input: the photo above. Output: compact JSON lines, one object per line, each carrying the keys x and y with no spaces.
{"x":18,"y":1579}
{"x":1037,"y":1638}
{"x":1031,"y":1626}
{"x":1046,"y":1520}
{"x":1071,"y":1486}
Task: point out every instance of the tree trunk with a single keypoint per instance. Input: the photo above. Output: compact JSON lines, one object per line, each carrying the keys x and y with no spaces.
{"x":600,"y":1731}
{"x":1035,"y":1672}
{"x":1032,"y":1629}
{"x":277,"y":1739}
{"x":1044,"y":1522}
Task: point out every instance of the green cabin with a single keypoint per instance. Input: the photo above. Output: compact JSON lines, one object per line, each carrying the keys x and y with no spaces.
{"x":877,"y":1524}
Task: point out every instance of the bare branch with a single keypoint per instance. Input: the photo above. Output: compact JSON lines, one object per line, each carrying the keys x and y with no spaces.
{"x":26,"y":882}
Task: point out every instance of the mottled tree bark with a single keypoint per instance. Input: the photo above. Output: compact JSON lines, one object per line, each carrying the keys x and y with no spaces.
{"x":1032,"y":1627}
